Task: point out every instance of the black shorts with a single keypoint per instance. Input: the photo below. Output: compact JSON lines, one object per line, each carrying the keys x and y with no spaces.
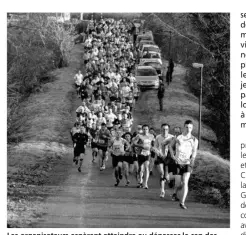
{"x":78,"y":150}
{"x":160,"y":160}
{"x":128,"y":158}
{"x":103,"y":148}
{"x":143,"y":158}
{"x":116,"y":159}
{"x":172,"y":168}
{"x":181,"y":169}
{"x":93,"y":145}
{"x":110,"y":128}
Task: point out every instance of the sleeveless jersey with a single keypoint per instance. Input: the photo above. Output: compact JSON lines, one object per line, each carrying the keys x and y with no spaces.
{"x":184,"y":149}
{"x":146,"y":139}
{"x":118,"y":147}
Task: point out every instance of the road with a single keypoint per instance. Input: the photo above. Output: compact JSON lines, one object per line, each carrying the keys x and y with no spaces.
{"x":89,"y":199}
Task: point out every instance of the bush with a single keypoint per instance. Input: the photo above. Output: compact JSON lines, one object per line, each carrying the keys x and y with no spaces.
{"x":35,"y":47}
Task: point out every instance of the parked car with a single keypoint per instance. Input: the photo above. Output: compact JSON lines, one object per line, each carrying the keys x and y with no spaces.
{"x":147,"y":47}
{"x":151,"y":56}
{"x":145,"y":42}
{"x":147,"y":77}
{"x":157,"y":66}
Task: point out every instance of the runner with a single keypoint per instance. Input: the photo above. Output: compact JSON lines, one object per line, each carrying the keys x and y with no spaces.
{"x":117,"y":154}
{"x":75,"y":129}
{"x":174,"y":178}
{"x":161,"y":148}
{"x":78,"y":78}
{"x":93,"y":132}
{"x":80,"y":139}
{"x":186,"y":149}
{"x":130,"y":159}
{"x":103,"y":136}
{"x":144,"y":142}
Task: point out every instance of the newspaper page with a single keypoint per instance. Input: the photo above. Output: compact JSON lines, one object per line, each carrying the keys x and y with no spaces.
{"x":124,"y":118}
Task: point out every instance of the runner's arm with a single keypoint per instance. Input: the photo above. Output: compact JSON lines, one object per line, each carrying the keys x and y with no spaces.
{"x":194,"y":153}
{"x":170,"y":147}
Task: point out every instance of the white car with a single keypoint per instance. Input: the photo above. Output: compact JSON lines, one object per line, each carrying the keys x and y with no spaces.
{"x":151,"y":57}
{"x":147,"y":77}
{"x":148,"y":47}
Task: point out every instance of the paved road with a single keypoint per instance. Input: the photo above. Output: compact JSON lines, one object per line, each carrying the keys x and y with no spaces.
{"x":89,"y":199}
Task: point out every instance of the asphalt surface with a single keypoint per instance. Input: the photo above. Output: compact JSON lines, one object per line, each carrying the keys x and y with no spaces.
{"x":90,"y":199}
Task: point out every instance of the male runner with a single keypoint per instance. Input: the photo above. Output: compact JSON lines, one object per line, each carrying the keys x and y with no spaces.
{"x":144,"y":142}
{"x":186,"y":149}
{"x":161,"y":148}
{"x":117,"y":154}
{"x":103,"y":136}
{"x":80,"y":139}
{"x":75,"y":129}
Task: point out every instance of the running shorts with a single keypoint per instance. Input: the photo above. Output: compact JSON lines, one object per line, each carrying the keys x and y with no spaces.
{"x":78,"y":150}
{"x":172,"y":168}
{"x":143,"y":158}
{"x":93,"y":145}
{"x":103,"y":148}
{"x":128,"y":157}
{"x":116,"y":159}
{"x":181,"y":169}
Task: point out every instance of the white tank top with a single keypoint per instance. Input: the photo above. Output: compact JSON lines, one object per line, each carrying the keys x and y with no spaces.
{"x":147,"y":139}
{"x":118,"y":147}
{"x":184,"y":149}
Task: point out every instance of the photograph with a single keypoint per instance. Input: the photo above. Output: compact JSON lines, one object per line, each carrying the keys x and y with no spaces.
{"x":118,"y":120}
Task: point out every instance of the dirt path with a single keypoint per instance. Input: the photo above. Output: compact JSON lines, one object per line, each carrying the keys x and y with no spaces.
{"x":89,"y":198}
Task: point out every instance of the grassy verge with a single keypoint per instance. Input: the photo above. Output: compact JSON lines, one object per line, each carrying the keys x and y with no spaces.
{"x":43,"y":126}
{"x":211,"y":179}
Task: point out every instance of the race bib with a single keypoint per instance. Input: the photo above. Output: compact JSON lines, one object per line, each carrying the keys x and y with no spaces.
{"x":100,"y":141}
{"x":145,"y":152}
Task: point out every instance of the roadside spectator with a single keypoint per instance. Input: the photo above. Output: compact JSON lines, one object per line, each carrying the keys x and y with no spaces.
{"x":160,"y":95}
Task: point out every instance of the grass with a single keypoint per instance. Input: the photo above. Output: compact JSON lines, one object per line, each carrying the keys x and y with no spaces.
{"x":42,"y":123}
{"x":211,"y":178}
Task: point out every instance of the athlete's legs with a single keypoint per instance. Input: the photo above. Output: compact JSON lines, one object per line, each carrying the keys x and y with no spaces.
{"x":151,"y":164}
{"x":141,"y":173}
{"x":100,"y":154}
{"x":126,"y":171}
{"x":136,"y":167}
{"x":162,"y":179}
{"x":81,"y":158}
{"x":146,"y":167}
{"x":119,"y":166}
{"x":185,"y":181}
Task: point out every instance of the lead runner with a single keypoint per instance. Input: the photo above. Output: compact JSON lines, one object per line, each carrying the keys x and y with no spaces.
{"x":186,"y":150}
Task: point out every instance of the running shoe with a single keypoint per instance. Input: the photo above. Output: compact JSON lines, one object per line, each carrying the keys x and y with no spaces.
{"x":127,"y":183}
{"x":174,"y":197}
{"x":162,"y":195}
{"x":117,"y":182}
{"x":140,"y":185}
{"x":103,"y":167}
{"x":146,"y":187}
{"x":183,"y":206}
{"x":79,"y":169}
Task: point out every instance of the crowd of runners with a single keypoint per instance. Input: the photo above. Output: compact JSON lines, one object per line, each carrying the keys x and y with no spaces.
{"x":108,"y":93}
